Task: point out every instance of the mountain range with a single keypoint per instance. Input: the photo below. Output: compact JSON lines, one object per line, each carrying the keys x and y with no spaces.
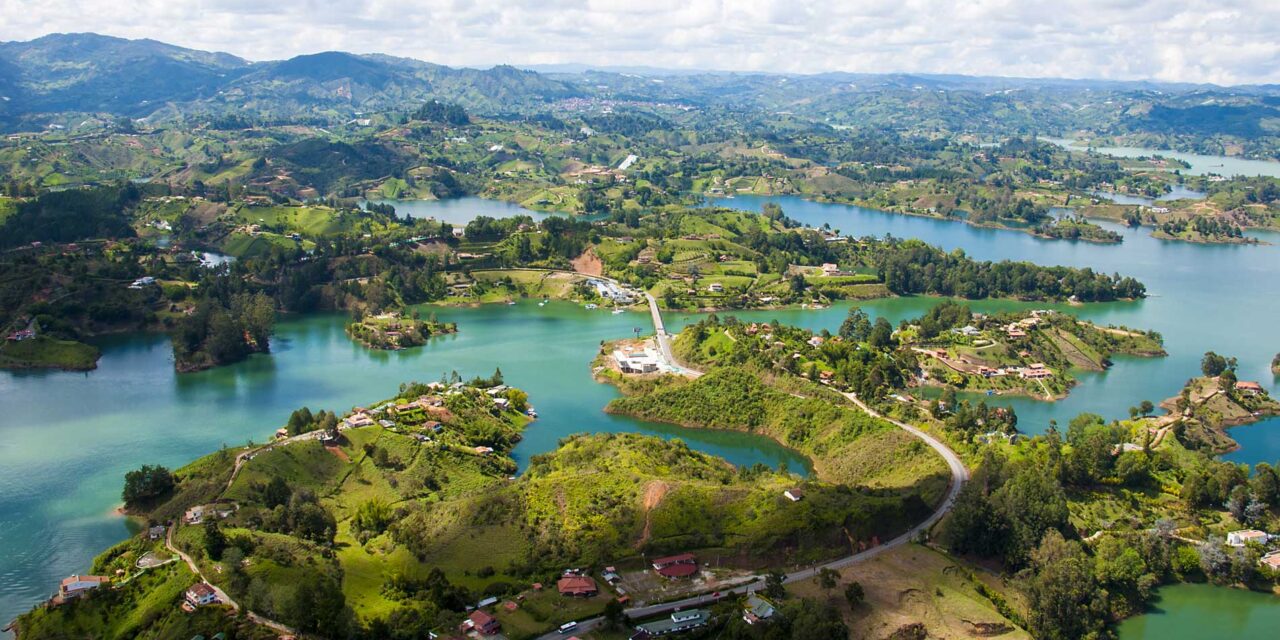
{"x":89,"y":73}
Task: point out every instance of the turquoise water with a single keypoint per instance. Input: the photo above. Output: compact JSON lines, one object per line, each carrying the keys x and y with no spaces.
{"x":1200,"y":164}
{"x":1204,"y":611}
{"x":1224,"y":298}
{"x":460,"y":211}
{"x":66,"y":439}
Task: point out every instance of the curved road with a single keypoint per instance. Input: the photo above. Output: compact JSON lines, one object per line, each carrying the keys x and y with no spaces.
{"x":959,"y":475}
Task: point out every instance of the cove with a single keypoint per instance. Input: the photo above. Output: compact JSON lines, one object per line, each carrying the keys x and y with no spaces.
{"x":1223,"y":298}
{"x":67,"y":439}
{"x":1200,"y":164}
{"x":1195,"y":611}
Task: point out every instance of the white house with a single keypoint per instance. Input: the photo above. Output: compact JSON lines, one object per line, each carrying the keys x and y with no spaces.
{"x":200,"y":594}
{"x":1244,"y":536}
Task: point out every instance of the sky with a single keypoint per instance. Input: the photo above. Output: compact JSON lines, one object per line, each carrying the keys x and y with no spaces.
{"x":1223,"y":42}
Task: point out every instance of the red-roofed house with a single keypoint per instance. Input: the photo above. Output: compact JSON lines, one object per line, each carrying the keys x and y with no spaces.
{"x":577,"y":586}
{"x":482,"y":622}
{"x":1251,"y":388}
{"x":200,"y":594}
{"x":678,"y":566}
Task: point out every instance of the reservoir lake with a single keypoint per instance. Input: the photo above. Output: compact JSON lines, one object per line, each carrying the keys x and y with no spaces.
{"x":66,"y":439}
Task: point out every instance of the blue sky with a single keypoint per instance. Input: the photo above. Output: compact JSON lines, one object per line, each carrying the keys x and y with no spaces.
{"x":1225,"y":42}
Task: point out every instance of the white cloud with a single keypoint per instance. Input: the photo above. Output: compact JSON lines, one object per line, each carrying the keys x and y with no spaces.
{"x":1177,"y":40}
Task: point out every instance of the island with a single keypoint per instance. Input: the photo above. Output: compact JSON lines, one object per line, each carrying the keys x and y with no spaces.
{"x":392,"y":331}
{"x":1210,"y":404}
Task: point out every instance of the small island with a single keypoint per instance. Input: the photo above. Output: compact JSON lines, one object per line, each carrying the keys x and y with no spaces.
{"x":393,"y":331}
{"x":26,"y":349}
{"x":1210,"y":404}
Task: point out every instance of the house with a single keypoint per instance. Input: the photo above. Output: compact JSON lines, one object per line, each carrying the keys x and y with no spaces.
{"x":19,"y":336}
{"x":577,"y":586}
{"x":200,"y":594}
{"x":715,"y":287}
{"x":481,"y":622}
{"x":816,"y":341}
{"x":502,"y":403}
{"x":77,"y":585}
{"x":678,"y":566}
{"x":282,"y":433}
{"x":1035,"y":371}
{"x":830,"y":270}
{"x":483,"y":451}
{"x":1015,"y":332}
{"x":677,"y":622}
{"x":636,"y":361}
{"x":757,"y":609}
{"x":356,"y":421}
{"x":157,"y":532}
{"x":1244,"y":536}
{"x":795,"y":494}
{"x":967,"y":330}
{"x":1271,"y":560}
{"x":1250,"y":388}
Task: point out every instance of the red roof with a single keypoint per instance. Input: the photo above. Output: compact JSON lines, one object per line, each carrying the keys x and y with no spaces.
{"x":683,"y":558}
{"x":481,"y":618}
{"x":682,"y":570}
{"x":200,"y":589}
{"x":575,"y":585}
{"x":68,"y":581}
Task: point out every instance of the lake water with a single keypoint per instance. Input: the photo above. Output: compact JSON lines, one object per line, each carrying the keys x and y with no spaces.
{"x":66,"y":439}
{"x":459,"y":211}
{"x":1200,"y":164}
{"x":1205,"y":611}
{"x":1176,"y":192}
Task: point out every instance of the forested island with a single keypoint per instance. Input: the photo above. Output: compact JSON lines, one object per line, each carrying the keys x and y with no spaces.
{"x":393,"y":331}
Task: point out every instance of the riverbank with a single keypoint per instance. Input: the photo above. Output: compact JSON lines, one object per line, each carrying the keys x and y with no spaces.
{"x":43,"y":352}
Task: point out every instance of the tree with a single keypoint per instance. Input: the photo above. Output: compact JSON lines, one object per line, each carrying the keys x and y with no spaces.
{"x":854,"y":594}
{"x":215,"y":542}
{"x":828,"y":578}
{"x":1237,"y":501}
{"x":1063,"y":596}
{"x":856,"y":326}
{"x":1146,"y":407}
{"x":1033,"y":503}
{"x":1212,"y":364}
{"x":146,"y":484}
{"x":881,"y":334}
{"x":614,"y":616}
{"x":774,"y":585}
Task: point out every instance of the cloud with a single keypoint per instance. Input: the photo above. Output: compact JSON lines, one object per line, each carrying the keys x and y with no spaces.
{"x":1229,"y":42}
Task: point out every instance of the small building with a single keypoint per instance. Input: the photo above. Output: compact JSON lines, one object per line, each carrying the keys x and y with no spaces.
{"x":356,"y":421}
{"x":1245,"y":536}
{"x":1015,"y":332}
{"x":480,"y":622}
{"x":757,"y":609}
{"x":1271,"y":560}
{"x":200,"y":594}
{"x":577,"y":586}
{"x":77,"y":585}
{"x":830,"y":270}
{"x":157,"y":532}
{"x":1249,"y":388}
{"x":816,"y":341}
{"x":677,"y":622}
{"x":794,"y":495}
{"x":715,"y":287}
{"x":684,"y":565}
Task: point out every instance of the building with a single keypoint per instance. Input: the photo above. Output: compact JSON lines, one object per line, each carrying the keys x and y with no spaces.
{"x":757,"y":609}
{"x":679,"y":621}
{"x":794,"y":495}
{"x":480,"y":622}
{"x":679,"y":566}
{"x":715,"y":287}
{"x":357,"y":420}
{"x":1271,"y":560}
{"x":77,"y":585}
{"x":830,"y":270}
{"x":577,"y":586}
{"x":1244,"y":536}
{"x":200,"y":594}
{"x":1035,"y":371}
{"x":157,"y":532}
{"x":636,"y":361}
{"x":1248,"y":387}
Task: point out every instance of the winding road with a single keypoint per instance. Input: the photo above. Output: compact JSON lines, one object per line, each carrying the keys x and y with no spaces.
{"x":959,"y":476}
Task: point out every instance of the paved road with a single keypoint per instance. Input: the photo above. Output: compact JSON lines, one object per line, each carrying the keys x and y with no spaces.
{"x":959,"y":475}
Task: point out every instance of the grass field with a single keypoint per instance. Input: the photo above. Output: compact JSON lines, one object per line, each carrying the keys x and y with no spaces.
{"x":45,"y":352}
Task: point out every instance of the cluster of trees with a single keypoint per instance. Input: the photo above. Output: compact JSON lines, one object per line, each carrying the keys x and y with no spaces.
{"x":224,"y":330}
{"x":1204,"y":226}
{"x":914,"y":267}
{"x":303,"y":421}
{"x":71,"y":215}
{"x":443,"y":112}
{"x":144,"y":485}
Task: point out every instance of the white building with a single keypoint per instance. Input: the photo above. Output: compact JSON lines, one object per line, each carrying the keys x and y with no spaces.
{"x":1244,"y":536}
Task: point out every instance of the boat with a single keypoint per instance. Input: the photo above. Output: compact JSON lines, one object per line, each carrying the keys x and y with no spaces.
{"x":618,"y":311}
{"x":511,"y":303}
{"x":542,"y":304}
{"x":591,"y":305}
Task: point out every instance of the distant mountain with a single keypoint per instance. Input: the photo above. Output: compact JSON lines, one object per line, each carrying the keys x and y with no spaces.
{"x":95,"y":73}
{"x":89,"y":73}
